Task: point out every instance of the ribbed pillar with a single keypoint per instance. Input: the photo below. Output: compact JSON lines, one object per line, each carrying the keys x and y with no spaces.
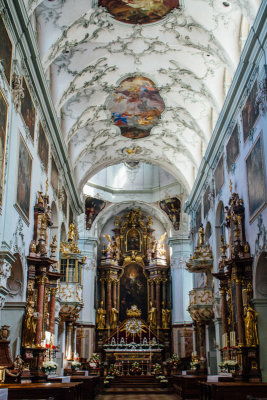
{"x":158,"y":303}
{"x":239,"y":309}
{"x":40,"y":309}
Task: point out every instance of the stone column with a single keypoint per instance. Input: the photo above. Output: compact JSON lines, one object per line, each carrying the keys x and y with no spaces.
{"x":73,"y":340}
{"x":68,"y":349}
{"x":108,"y":300}
{"x":158,"y":302}
{"x":40,"y":308}
{"x":239,"y":309}
{"x":53,"y":292}
{"x":182,"y":280}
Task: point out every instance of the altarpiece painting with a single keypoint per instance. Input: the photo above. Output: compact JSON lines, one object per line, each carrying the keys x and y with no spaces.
{"x":5,"y":50}
{"x":250,"y":111}
{"x":28,"y":109}
{"x":24,"y":179}
{"x":256,"y":178}
{"x":43,"y":147}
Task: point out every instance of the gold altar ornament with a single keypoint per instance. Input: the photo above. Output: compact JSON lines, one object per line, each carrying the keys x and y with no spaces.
{"x":101,"y":317}
{"x":114,"y":317}
{"x":152,"y":315}
{"x":251,"y":327}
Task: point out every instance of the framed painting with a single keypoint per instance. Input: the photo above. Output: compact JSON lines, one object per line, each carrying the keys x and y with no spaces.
{"x":250,"y":111}
{"x":43,"y":147}
{"x":139,"y":11}
{"x":219,"y":176}
{"x":256,"y":179}
{"x":54,"y":175}
{"x":28,"y":109}
{"x":64,"y":202}
{"x":172,"y":208}
{"x":3,"y":131}
{"x":92,"y":208}
{"x":232,"y":149}
{"x":206,"y":202}
{"x":5,"y":50}
{"x":24,"y":179}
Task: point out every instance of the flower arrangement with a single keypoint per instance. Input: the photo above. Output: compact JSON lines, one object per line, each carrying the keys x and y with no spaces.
{"x":156,"y":369}
{"x":174,"y":361}
{"x":113,"y":370}
{"x":49,"y":366}
{"x":135,"y":368}
{"x":195,"y":364}
{"x":228,"y":365}
{"x":94,"y":361}
{"x":75,"y":365}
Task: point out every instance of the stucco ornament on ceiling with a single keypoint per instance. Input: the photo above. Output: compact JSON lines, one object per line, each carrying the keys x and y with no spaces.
{"x":136,"y":107}
{"x":139,"y":11}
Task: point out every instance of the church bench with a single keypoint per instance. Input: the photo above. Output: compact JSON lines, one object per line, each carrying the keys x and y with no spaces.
{"x":57,"y":391}
{"x":90,"y":385}
{"x":231,"y":390}
{"x":187,"y":386}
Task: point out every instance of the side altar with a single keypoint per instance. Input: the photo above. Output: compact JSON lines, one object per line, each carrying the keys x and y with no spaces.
{"x":133,"y":320}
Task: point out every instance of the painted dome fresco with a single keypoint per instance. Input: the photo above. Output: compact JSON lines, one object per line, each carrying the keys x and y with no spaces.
{"x":136,"y":106}
{"x":139,"y":11}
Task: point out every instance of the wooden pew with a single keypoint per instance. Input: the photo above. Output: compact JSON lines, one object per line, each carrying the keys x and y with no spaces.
{"x":58,"y":391}
{"x":231,"y":390}
{"x":90,"y":385}
{"x":187,"y":386}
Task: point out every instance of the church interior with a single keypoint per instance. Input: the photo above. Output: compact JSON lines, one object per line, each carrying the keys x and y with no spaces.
{"x":133,"y":218}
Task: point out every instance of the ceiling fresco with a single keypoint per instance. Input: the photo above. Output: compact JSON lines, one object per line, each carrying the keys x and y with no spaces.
{"x":136,"y":107}
{"x":184,"y":63}
{"x":139,"y":11}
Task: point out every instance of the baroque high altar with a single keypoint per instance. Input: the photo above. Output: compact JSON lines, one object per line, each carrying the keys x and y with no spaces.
{"x":133,"y":304}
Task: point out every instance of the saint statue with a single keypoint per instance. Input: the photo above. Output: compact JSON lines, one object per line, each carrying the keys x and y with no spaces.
{"x":114,"y":317}
{"x":152,"y":315}
{"x":30,"y":326}
{"x":101,"y":317}
{"x":251,"y":327}
{"x":166,"y":317}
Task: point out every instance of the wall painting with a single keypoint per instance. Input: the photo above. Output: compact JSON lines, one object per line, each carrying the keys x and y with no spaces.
{"x":133,"y":290}
{"x":250,"y":111}
{"x":54,"y":175}
{"x":5,"y":50}
{"x":3,"y":132}
{"x":172,"y":208}
{"x":136,"y":106}
{"x":28,"y":109}
{"x":232,"y":149}
{"x":43,"y":147}
{"x":24,"y":179}
{"x":256,"y":179}
{"x":219,"y":176}
{"x":139,"y":11}
{"x":92,"y":208}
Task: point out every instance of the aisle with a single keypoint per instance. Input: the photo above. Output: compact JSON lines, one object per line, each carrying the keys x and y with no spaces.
{"x":137,"y":388}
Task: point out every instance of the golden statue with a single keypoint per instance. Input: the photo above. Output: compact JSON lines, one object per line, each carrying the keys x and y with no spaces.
{"x":114,"y":317}
{"x":101,"y":317}
{"x":251,"y":327}
{"x":201,"y":235}
{"x":29,"y":326}
{"x":166,"y":317}
{"x":152,"y":316}
{"x":71,"y":232}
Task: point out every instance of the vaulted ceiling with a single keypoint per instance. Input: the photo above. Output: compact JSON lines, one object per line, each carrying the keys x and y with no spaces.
{"x":190,"y":55}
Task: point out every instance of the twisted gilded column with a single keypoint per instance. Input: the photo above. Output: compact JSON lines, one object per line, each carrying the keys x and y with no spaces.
{"x":40,"y":308}
{"x":109,"y":305}
{"x":239,"y":309}
{"x":158,"y":302}
{"x":53,"y":292}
